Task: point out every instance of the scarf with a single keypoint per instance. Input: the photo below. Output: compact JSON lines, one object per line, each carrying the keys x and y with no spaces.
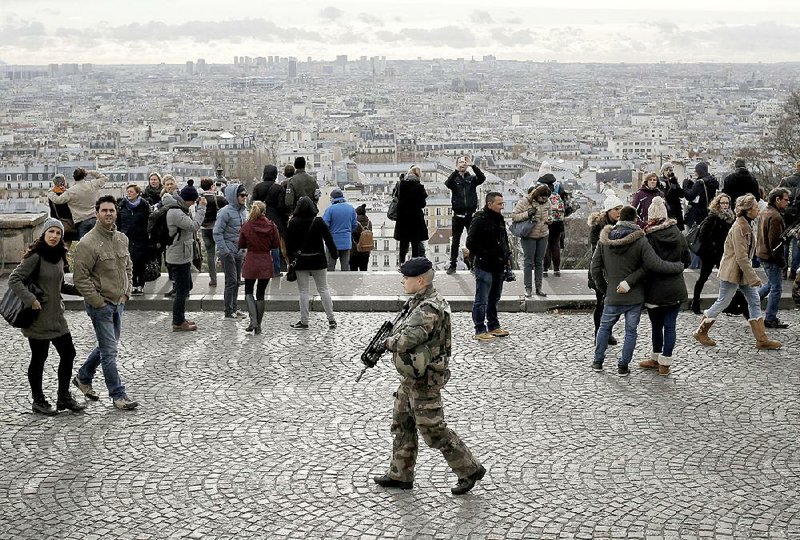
{"x":50,"y":254}
{"x":59,"y":189}
{"x":133,"y":204}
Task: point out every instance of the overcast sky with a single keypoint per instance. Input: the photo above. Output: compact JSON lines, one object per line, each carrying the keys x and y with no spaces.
{"x":173,"y":31}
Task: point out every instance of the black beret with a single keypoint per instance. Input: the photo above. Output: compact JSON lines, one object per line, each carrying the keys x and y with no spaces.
{"x":415,"y":267}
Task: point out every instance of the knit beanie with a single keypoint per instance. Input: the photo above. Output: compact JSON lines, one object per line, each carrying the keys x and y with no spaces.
{"x":53,"y":222}
{"x":657,"y":210}
{"x":361,"y":210}
{"x":189,"y":192}
{"x":664,"y":167}
{"x":612,"y":201}
{"x":544,"y":169}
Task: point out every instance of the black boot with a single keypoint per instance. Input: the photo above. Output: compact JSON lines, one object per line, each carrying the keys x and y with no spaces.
{"x":66,"y":401}
{"x":695,"y":306}
{"x":43,"y":407}
{"x":251,"y":310}
{"x":260,"y":307}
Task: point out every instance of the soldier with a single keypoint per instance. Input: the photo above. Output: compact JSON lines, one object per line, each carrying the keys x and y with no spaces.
{"x":420,"y":344}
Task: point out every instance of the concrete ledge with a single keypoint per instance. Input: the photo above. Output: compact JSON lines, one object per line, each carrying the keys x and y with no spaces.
{"x":381,"y":291}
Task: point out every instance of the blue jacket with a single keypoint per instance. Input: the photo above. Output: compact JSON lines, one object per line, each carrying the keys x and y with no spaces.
{"x":340,"y":217}
{"x":229,"y":221}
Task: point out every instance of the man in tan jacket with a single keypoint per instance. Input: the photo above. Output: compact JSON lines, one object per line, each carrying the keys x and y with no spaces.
{"x":103,"y":273}
{"x":81,"y":198}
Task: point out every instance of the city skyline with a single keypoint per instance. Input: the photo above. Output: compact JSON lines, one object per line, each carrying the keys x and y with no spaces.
{"x":150,"y":32}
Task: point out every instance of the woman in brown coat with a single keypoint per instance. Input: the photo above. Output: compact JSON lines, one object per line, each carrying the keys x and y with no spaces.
{"x":736,"y":273}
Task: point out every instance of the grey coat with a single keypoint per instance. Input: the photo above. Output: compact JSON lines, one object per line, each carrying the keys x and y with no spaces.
{"x":51,"y":322}
{"x":619,"y":255}
{"x":182,"y":228}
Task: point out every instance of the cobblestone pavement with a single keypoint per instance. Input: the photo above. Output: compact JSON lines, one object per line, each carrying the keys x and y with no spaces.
{"x":270,"y":437}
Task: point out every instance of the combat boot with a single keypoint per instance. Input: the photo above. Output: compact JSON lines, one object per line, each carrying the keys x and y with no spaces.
{"x":387,"y":482}
{"x":701,"y":334}
{"x":260,"y":307}
{"x":760,"y":333}
{"x":252,"y":311}
{"x":464,"y":485}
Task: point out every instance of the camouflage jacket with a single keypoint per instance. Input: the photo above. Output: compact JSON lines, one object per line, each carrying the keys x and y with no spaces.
{"x":422,"y":340}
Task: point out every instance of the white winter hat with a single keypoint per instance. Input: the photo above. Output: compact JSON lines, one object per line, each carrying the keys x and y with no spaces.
{"x":544,"y":169}
{"x":657,"y":210}
{"x":612,"y":201}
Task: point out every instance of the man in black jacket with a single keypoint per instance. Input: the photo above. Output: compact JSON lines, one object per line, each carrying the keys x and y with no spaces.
{"x":464,"y":200}
{"x":487,"y":242}
{"x":740,"y":182}
{"x":272,"y":194}
{"x":790,"y":216}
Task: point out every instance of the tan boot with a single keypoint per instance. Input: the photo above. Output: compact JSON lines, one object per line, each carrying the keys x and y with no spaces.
{"x":760,"y":333}
{"x":701,"y":334}
{"x":663,"y":365}
{"x":652,"y":363}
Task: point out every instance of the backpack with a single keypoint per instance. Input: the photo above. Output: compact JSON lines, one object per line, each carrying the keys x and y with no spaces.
{"x":365,"y":242}
{"x":157,"y":230}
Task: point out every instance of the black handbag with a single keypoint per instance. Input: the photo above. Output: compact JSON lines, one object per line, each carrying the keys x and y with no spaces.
{"x":152,"y":269}
{"x":12,"y":308}
{"x":291,"y":271}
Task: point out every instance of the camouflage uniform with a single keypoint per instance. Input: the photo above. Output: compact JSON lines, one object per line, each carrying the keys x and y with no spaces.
{"x":421,"y":345}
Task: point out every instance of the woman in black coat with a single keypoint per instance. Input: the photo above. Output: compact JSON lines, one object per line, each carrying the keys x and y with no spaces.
{"x":306,"y":238}
{"x":713,"y":231}
{"x":673,"y":193}
{"x":132,"y":214}
{"x":410,"y":227}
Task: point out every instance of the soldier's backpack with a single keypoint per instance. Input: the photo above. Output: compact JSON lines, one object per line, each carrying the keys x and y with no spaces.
{"x":365,"y":242}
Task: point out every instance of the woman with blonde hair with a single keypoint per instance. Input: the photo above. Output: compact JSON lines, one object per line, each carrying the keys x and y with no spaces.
{"x":259,"y":236}
{"x":410,"y":227}
{"x":736,"y":273}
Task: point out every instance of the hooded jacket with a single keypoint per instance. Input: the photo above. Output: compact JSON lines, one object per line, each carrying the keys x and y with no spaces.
{"x":229,"y":222}
{"x":596,"y":222}
{"x":305,"y":237}
{"x":487,"y":241}
{"x":132,"y":222}
{"x":81,"y":196}
{"x":464,"y":193}
{"x":669,"y":244}
{"x":181,"y":228}
{"x":622,"y":250}
{"x":340,"y":217}
{"x":273,"y":195}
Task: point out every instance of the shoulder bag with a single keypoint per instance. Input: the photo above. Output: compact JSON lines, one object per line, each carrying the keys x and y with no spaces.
{"x":521,"y":228}
{"x":291,"y":270}
{"x":12,"y":308}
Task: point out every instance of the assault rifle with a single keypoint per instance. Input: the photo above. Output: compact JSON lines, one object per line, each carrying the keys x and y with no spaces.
{"x":787,"y":235}
{"x":377,"y":346}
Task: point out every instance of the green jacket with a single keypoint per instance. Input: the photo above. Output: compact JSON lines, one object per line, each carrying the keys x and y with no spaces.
{"x":422,"y":340}
{"x":102,"y":268}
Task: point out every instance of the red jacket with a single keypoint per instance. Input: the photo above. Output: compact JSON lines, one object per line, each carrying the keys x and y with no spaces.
{"x":259,"y":237}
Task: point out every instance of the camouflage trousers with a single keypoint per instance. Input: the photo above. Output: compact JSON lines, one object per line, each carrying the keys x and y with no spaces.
{"x":418,"y":406}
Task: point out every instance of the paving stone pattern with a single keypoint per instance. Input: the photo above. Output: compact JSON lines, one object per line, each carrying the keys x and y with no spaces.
{"x":270,"y":437}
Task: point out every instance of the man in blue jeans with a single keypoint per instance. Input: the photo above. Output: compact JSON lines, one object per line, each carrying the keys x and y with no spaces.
{"x":103,"y":274}
{"x":226,"y":237}
{"x":487,"y":242}
{"x":770,"y":228}
{"x":622,"y":250}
